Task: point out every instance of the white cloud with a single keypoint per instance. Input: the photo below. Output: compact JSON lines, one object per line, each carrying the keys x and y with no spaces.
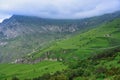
{"x":59,"y":8}
{"x":4,"y":16}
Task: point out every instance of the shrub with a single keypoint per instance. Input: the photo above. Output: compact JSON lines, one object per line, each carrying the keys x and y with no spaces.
{"x":117,"y":77}
{"x":15,"y":78}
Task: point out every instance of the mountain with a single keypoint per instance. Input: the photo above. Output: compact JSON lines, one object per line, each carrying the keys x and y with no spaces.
{"x":82,"y":45}
{"x":22,"y":35}
{"x":91,"y":55}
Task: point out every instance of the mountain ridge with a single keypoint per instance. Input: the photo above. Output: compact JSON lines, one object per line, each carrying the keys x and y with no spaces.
{"x":21,"y":35}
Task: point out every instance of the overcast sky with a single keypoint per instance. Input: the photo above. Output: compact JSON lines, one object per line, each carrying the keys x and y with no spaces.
{"x":63,"y":9}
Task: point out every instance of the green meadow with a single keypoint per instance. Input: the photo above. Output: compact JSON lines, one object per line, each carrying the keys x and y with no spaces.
{"x":29,"y":71}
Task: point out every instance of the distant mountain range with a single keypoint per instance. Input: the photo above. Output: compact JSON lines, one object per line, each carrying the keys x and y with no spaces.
{"x":23,"y":35}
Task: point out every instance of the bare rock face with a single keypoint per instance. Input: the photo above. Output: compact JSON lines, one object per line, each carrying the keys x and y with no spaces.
{"x":21,"y":25}
{"x":3,"y":43}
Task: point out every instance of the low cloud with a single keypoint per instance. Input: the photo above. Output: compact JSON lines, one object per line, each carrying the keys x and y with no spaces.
{"x":63,"y":9}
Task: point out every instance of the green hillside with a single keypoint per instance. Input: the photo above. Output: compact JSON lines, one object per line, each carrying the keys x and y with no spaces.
{"x":91,"y":55}
{"x":28,"y":71}
{"x":79,"y":47}
{"x":20,"y":35}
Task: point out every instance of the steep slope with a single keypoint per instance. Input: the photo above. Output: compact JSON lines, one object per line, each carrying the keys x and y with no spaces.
{"x":20,"y":35}
{"x":85,"y":44}
{"x":101,"y":66}
{"x":92,"y":55}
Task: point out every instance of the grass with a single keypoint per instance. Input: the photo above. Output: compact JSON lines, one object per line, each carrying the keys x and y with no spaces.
{"x":28,"y":71}
{"x":87,"y":43}
{"x":79,"y":47}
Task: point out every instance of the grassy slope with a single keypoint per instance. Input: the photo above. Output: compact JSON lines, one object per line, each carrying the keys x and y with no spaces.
{"x":78,"y":47}
{"x":106,"y":66}
{"x":85,"y":44}
{"x":99,"y":41}
{"x":21,"y":45}
{"x":32,"y":26}
{"x":28,"y":71}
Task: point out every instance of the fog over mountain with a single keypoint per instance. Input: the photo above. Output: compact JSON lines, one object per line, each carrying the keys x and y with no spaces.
{"x":62,"y":9}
